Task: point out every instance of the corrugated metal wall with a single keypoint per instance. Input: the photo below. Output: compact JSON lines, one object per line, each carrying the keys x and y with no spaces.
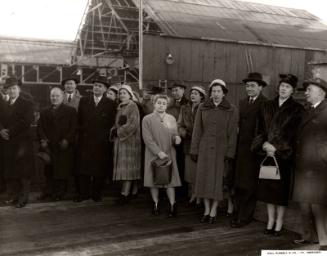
{"x":200,"y":61}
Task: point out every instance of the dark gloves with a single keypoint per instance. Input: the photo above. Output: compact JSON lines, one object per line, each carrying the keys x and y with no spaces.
{"x":122,"y":120}
{"x":194,"y":157}
{"x":113,"y":134}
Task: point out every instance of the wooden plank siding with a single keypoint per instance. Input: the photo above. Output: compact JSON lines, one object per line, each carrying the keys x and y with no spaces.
{"x":201,"y":61}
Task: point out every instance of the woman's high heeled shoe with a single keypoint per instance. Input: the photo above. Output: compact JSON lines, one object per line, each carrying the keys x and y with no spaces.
{"x":277,"y":233}
{"x":268,"y":231}
{"x":212,"y":219}
{"x":155,"y":209}
{"x":173,"y":211}
{"x":204,"y":218}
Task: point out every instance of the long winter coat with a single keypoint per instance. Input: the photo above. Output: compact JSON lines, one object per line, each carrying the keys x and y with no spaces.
{"x":158,"y":134}
{"x":95,"y":122}
{"x":185,"y":130}
{"x":18,"y":151}
{"x":310,"y":183}
{"x":127,"y":148}
{"x":277,"y":125}
{"x":54,"y":126}
{"x":247,"y":163}
{"x":214,"y":138}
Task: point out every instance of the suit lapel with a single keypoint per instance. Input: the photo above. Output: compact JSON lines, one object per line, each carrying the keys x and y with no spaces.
{"x":312,"y":113}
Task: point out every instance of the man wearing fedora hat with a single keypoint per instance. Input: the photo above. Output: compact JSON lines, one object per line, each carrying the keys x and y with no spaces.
{"x":56,"y":131}
{"x":71,"y":94}
{"x":310,"y":181}
{"x":247,"y":165}
{"x":16,"y":138}
{"x":96,"y":116}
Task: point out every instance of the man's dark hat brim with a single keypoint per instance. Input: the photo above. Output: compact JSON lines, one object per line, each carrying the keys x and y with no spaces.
{"x":101,"y":80}
{"x":318,"y":82}
{"x":12,"y":81}
{"x":255,"y":77}
{"x":260,"y":82}
{"x":69,"y":78}
{"x":289,"y":79}
{"x":174,"y":85}
{"x":156,"y":90}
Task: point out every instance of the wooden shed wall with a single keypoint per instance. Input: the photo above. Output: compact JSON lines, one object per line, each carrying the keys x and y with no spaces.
{"x":201,"y":61}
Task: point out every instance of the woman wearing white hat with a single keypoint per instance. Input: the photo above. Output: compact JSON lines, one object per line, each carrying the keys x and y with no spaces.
{"x":127,"y":148}
{"x":185,"y":129}
{"x":213,"y":146}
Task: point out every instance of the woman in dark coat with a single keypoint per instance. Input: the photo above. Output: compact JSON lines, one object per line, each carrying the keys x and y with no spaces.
{"x":277,"y":121}
{"x":213,"y":145}
{"x":185,"y":130}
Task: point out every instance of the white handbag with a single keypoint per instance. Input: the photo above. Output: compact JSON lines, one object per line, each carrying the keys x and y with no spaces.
{"x":269,"y":172}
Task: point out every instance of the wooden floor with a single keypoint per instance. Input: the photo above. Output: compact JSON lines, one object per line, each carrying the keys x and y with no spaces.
{"x":88,"y":228}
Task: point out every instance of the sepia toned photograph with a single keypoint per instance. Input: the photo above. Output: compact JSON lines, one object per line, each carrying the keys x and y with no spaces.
{"x":163,"y":127}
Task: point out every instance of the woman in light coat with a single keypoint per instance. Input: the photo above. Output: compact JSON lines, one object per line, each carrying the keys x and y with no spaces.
{"x":213,"y":146}
{"x":160,"y":135}
{"x":127,"y":147}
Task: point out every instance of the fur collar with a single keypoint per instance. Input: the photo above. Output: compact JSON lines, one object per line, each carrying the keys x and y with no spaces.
{"x":224,"y":105}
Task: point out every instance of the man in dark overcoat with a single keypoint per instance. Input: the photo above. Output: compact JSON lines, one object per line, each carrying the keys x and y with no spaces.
{"x":96,"y":116}
{"x":17,"y":141}
{"x":310,"y":184}
{"x":178,"y":100}
{"x":57,"y":129}
{"x":247,"y":164}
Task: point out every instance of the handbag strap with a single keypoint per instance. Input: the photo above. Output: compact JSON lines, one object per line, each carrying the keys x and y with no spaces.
{"x":275,"y":161}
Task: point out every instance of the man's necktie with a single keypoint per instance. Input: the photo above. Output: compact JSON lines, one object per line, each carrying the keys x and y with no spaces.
{"x":69,"y":98}
{"x":251,"y":101}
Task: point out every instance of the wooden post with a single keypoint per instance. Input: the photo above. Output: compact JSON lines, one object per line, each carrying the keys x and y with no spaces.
{"x":141,"y":45}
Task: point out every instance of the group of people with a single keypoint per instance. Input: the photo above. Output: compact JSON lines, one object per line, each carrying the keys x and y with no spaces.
{"x":218,"y":149}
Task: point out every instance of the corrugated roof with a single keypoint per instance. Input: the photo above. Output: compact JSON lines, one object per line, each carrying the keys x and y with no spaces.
{"x":238,"y":21}
{"x":30,"y":51}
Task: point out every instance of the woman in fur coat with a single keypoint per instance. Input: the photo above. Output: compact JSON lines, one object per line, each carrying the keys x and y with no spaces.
{"x":276,"y":133}
{"x":127,"y":147}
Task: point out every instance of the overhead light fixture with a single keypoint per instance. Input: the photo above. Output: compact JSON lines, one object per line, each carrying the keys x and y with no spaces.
{"x":170,"y":59}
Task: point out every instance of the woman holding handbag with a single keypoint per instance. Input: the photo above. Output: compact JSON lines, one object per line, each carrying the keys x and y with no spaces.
{"x":127,"y":144}
{"x":277,"y":124}
{"x":159,"y":131}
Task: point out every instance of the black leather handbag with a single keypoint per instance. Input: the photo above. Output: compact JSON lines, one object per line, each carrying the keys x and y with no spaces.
{"x":162,"y":171}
